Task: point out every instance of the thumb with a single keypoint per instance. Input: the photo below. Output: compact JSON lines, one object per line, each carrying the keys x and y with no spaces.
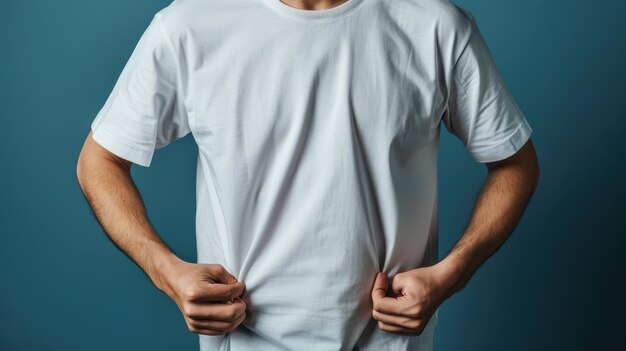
{"x":220,"y":273}
{"x":380,"y":286}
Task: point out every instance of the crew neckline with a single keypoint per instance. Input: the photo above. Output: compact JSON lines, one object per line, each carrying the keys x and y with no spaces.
{"x":332,"y":12}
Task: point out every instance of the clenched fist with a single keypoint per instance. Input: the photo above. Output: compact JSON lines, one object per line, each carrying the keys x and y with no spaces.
{"x":207,"y":295}
{"x":416,"y":296}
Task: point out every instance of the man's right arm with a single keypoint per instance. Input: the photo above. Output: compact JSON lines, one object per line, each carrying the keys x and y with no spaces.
{"x":207,"y":294}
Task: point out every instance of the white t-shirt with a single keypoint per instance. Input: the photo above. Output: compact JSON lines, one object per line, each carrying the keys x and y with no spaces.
{"x":318,"y":134}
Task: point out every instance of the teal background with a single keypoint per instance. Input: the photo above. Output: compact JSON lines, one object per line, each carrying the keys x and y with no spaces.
{"x":558,"y":283}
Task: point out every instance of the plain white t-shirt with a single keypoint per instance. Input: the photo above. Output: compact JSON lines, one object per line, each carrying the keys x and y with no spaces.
{"x":318,"y":134}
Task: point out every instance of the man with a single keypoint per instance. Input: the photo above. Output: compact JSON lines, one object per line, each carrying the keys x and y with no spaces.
{"x":317,"y":125}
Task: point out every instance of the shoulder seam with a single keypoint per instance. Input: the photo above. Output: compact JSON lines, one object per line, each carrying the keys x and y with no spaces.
{"x":465,"y":40}
{"x":159,"y":17}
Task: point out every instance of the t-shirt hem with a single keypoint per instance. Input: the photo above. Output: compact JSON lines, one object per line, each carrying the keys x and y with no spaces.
{"x":121,"y":148}
{"x":505,"y":148}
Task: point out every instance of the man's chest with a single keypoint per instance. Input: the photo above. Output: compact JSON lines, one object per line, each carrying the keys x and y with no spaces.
{"x":247,"y":86}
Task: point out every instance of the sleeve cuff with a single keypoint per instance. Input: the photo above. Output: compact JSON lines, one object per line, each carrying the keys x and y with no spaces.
{"x":120,"y":148}
{"x":505,"y":148}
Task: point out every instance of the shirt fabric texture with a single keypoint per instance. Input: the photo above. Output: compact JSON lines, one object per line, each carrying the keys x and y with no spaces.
{"x":318,"y":135}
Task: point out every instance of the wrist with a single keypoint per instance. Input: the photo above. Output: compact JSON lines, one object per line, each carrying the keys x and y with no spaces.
{"x":455,"y":269}
{"x":164,"y":267}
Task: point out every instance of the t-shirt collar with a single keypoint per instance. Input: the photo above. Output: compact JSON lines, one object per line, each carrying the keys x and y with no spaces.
{"x":332,"y":12}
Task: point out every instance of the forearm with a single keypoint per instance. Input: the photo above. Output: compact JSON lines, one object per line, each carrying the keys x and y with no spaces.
{"x":499,"y":207}
{"x":118,"y":207}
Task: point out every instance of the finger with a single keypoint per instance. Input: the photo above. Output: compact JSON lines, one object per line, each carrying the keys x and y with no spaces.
{"x":388,"y":305}
{"x":220,"y":273}
{"x":381,"y":302}
{"x":206,"y":331}
{"x":397,"y":329}
{"x":397,"y":284}
{"x":216,"y":311}
{"x":400,"y":321}
{"x":400,"y":306}
{"x":380,"y":286}
{"x":208,"y":292}
{"x":222,"y":326}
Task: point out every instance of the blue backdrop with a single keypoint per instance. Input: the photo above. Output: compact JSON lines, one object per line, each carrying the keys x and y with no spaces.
{"x":558,"y":283}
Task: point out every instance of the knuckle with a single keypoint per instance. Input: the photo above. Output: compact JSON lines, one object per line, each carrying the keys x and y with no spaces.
{"x":232,"y":314}
{"x":219,"y":268}
{"x":232,"y":293}
{"x":240,"y":321}
{"x":231,"y":327}
{"x":414,"y":324}
{"x":191,"y":293}
{"x":189,"y":310}
{"x":242,"y":308}
{"x":415,"y":311}
{"x":234,"y":326}
{"x":376,"y":315}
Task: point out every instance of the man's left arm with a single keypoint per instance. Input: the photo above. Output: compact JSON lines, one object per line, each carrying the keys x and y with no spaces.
{"x":501,"y":202}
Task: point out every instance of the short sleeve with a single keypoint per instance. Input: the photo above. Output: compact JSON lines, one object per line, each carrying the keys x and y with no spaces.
{"x":481,"y":111}
{"x":145,"y":110}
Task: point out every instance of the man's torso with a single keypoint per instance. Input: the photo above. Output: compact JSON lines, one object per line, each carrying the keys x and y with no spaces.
{"x":317,"y":164}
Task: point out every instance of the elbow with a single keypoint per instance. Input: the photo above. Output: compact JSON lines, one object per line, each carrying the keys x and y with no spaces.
{"x":84,"y":164}
{"x":535,"y":174}
{"x":80,"y":170}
